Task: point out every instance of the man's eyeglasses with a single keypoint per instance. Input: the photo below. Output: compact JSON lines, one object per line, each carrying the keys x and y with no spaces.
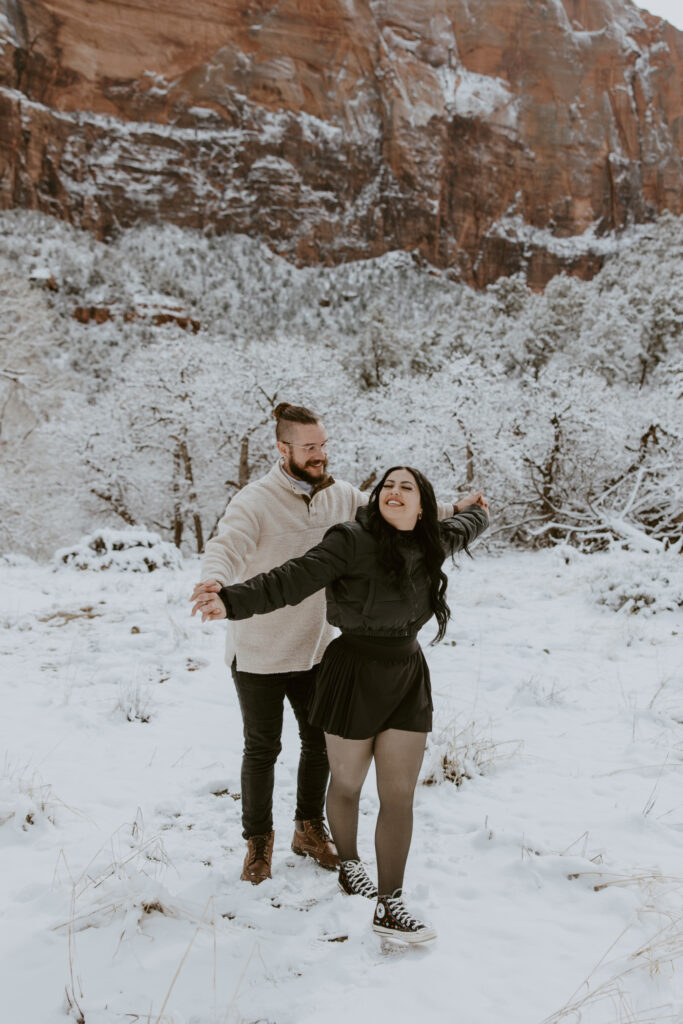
{"x":310,"y":449}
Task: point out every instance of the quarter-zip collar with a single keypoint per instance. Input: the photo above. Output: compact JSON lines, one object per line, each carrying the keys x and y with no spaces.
{"x":283,"y":478}
{"x":299,"y":485}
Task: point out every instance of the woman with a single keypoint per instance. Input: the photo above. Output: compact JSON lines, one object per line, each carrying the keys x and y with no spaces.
{"x":384,"y":580}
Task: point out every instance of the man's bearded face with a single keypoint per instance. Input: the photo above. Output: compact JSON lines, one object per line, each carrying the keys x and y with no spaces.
{"x":308,"y":466}
{"x":305,"y":452}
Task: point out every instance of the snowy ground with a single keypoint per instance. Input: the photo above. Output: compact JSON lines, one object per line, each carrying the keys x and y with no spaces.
{"x":554,"y":877}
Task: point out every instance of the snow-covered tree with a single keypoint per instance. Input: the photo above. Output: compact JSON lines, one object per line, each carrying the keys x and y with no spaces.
{"x":564,"y":405}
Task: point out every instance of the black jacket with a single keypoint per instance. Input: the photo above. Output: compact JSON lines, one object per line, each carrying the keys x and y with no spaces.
{"x":361,"y":597}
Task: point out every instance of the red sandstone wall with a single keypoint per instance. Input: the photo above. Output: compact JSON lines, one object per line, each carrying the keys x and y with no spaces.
{"x":339,"y":129}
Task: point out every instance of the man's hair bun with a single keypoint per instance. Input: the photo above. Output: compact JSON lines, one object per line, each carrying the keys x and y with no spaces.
{"x":286,"y":413}
{"x":279,"y":410}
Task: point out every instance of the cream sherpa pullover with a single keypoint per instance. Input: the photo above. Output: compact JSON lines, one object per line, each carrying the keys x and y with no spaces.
{"x":265,"y":524}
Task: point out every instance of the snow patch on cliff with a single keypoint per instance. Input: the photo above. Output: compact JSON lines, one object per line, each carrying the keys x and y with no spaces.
{"x":314,"y":129}
{"x":5,"y":30}
{"x":468,"y":94}
{"x":202,"y":112}
{"x":274,"y":167}
{"x":516,"y":229}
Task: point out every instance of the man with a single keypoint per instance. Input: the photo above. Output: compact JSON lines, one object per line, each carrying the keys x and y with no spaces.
{"x":275,"y":656}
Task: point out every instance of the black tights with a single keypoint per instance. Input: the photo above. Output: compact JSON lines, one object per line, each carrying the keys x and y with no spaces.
{"x":398,"y":755}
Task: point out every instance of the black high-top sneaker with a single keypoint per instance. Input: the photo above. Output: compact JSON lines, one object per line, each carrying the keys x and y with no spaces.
{"x":355,"y":881}
{"x":394,"y":922}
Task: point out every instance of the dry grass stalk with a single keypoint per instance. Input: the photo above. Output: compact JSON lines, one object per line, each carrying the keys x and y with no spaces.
{"x":184,"y":957}
{"x":74,"y":1006}
{"x":665,"y":947}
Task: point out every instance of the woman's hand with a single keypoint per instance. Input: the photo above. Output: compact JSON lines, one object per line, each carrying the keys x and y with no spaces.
{"x":475,"y":498}
{"x":207,"y":602}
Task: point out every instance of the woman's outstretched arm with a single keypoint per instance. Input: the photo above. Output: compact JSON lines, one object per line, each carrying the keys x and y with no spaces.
{"x":287,"y":584}
{"x":458,"y":532}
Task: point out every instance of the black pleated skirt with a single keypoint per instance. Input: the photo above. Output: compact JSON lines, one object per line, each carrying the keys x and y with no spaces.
{"x":367,"y":684}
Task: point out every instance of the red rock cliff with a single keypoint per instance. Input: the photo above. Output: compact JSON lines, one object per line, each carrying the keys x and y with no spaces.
{"x":485,"y":136}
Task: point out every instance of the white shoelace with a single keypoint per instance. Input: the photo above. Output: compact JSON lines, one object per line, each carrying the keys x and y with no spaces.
{"x":406,"y":920}
{"x":358,"y":878}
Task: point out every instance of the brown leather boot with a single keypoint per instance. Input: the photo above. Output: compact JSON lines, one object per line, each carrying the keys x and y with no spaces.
{"x":312,"y":839}
{"x":258,"y":859}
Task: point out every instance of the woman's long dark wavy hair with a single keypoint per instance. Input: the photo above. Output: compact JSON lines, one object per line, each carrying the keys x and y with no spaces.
{"x":426,"y":533}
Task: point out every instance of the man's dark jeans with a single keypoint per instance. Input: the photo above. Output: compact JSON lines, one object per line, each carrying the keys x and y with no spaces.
{"x":262,"y":699}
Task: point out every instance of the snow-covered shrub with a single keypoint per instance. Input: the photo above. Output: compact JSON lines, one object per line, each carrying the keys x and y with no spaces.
{"x":126,"y":887}
{"x":15,"y":560}
{"x":126,"y":550}
{"x":25,"y":799}
{"x":539,"y":691}
{"x":639,"y":581}
{"x":454,"y":754}
{"x":135,"y":702}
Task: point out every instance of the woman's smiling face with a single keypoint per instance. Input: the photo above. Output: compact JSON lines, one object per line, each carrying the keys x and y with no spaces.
{"x":399,"y":499}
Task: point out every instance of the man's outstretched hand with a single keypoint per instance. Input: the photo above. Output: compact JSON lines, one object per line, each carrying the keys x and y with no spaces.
{"x":207,"y":602}
{"x":475,"y":498}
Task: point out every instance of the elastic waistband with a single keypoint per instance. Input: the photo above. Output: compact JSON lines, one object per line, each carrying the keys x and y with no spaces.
{"x":390,"y":647}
